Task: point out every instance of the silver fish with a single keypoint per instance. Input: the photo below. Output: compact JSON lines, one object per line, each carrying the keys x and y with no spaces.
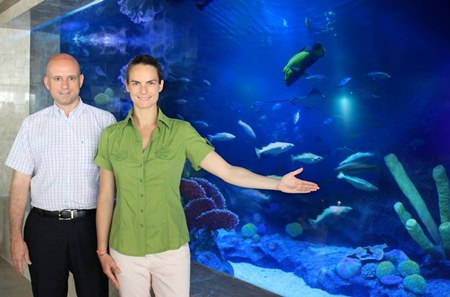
{"x":357,"y":182}
{"x":359,"y":156}
{"x":308,"y":158}
{"x":274,"y":148}
{"x":247,"y":128}
{"x":378,"y":75}
{"x":221,"y":136}
{"x":329,"y":214}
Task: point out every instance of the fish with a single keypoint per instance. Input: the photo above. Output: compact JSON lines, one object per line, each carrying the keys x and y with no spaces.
{"x":276,"y":106}
{"x":254,"y":194}
{"x":274,"y":148}
{"x":247,"y":128}
{"x":359,"y":156}
{"x":343,"y":82}
{"x":355,"y":167}
{"x":357,"y":182}
{"x":200,"y":124}
{"x":329,"y":214}
{"x":221,"y":136}
{"x":207,"y":82}
{"x":307,"y":158}
{"x":316,"y":77}
{"x":313,"y":98}
{"x":378,"y":75}
{"x":181,"y":101}
{"x":296,"y":117}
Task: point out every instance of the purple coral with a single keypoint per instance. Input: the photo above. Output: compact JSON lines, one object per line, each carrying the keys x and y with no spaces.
{"x":211,"y":191}
{"x":205,"y":207}
{"x":195,"y":208}
{"x":190,"y":189}
{"x":218,"y":218}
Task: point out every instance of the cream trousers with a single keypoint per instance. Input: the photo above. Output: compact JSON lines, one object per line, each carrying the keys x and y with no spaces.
{"x":167,"y":273}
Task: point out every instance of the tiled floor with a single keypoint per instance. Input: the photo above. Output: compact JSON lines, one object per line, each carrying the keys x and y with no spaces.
{"x":205,"y":282}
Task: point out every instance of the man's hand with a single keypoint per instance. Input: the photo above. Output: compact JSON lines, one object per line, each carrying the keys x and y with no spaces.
{"x":19,"y":253}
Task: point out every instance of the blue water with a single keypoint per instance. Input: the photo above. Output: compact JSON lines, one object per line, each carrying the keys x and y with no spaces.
{"x":223,"y":62}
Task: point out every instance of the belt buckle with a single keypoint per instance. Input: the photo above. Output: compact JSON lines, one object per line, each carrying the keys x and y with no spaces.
{"x":61,"y":216}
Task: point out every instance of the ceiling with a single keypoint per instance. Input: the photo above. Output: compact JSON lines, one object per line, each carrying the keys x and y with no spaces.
{"x":28,"y":14}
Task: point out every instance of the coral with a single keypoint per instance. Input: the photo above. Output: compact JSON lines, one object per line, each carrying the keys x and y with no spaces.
{"x":195,"y":208}
{"x":442,"y":186}
{"x":294,"y":229}
{"x":439,"y":235}
{"x":422,"y":240}
{"x":408,"y":267}
{"x":395,"y":256}
{"x":211,"y":191}
{"x":391,"y":280}
{"x":415,"y":283}
{"x":369,"y":271}
{"x":385,"y":268}
{"x":369,"y":253}
{"x":190,"y":189}
{"x":218,"y":218}
{"x":444,"y":229}
{"x":205,"y":208}
{"x":348,"y":267}
{"x":248,"y":230}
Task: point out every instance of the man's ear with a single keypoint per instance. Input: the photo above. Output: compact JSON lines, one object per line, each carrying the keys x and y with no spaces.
{"x":81,"y":79}
{"x":46,"y":82}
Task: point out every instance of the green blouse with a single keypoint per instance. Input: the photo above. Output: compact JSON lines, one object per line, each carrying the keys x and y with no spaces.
{"x":148,"y":216}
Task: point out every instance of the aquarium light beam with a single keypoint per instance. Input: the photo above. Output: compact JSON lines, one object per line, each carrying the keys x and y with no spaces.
{"x":86,"y":6}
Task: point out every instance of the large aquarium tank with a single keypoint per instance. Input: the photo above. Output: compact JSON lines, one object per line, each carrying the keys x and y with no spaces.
{"x":355,"y":92}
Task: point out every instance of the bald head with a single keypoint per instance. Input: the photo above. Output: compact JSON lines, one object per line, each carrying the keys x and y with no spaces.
{"x":64,"y":59}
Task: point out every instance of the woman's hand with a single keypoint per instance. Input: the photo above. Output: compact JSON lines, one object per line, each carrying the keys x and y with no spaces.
{"x":110,"y":268}
{"x":291,"y":184}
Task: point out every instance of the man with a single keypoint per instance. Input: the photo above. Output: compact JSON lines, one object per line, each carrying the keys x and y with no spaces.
{"x":52,"y":159}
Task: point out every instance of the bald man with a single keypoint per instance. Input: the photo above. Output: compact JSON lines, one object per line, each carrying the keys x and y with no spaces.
{"x":52,"y":158}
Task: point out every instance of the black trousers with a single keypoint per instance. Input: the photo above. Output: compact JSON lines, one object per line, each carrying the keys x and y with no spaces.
{"x":57,"y":247}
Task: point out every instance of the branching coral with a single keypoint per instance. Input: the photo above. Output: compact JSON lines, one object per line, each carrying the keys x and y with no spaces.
{"x":205,"y":206}
{"x":439,"y":236}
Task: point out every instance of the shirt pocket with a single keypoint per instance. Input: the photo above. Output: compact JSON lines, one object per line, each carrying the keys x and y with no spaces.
{"x":164,"y":163}
{"x":119,"y":156}
{"x":119,"y":160}
{"x":165,"y":154}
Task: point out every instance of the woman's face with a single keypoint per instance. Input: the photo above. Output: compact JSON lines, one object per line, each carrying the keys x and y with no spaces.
{"x":144,"y":86}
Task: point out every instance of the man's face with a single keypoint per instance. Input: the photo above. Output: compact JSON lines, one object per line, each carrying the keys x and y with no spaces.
{"x":63,"y":80}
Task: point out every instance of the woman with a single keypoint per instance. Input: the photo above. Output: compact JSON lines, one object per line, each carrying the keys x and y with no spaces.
{"x":141,"y":160}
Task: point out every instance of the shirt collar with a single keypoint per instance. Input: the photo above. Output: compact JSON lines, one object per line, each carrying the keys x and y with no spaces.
{"x":73,"y":113}
{"x":162,"y":118}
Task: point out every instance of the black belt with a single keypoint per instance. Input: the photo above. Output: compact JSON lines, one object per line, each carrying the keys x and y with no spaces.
{"x":65,"y":214}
